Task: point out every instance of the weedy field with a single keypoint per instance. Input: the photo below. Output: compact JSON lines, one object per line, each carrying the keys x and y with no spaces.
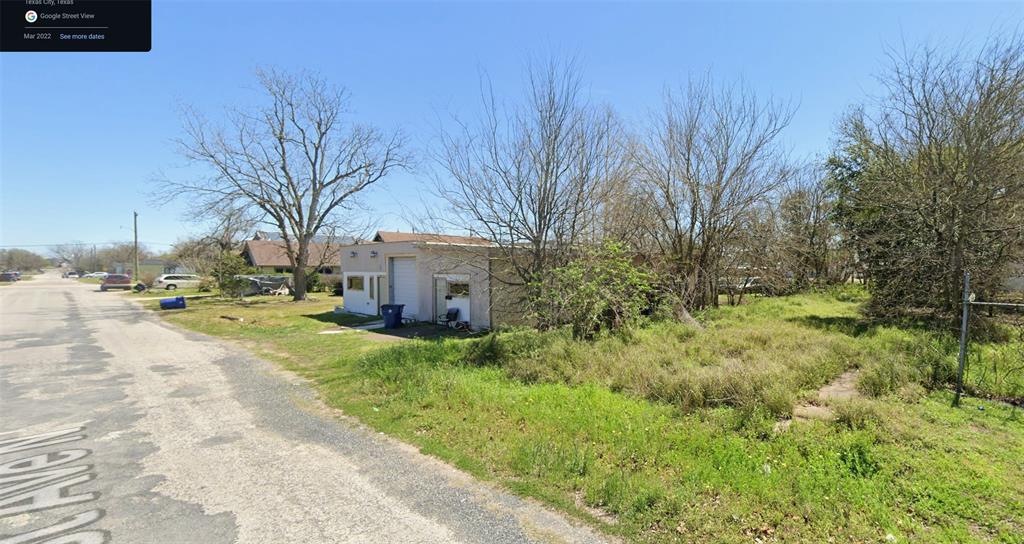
{"x":669,"y":432}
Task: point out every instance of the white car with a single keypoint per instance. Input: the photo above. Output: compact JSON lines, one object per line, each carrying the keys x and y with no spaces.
{"x":72,"y":275}
{"x":101,"y":275}
{"x":171,"y":282}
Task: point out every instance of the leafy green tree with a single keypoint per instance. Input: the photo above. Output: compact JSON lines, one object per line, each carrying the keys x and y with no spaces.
{"x":601,"y":289}
{"x":929,"y":184}
{"x":226,"y":270}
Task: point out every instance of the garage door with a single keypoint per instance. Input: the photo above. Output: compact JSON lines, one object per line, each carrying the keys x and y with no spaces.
{"x":403,"y":285}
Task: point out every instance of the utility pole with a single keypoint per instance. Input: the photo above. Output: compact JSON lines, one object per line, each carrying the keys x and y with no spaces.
{"x":135,"y":227}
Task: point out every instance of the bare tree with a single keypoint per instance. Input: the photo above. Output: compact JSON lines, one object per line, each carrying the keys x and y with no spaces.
{"x":72,"y":253}
{"x":195,"y":254}
{"x":709,"y":158}
{"x":202,"y":253}
{"x":625,"y":213}
{"x":532,"y":177}
{"x":808,"y":237}
{"x":21,"y":260}
{"x":295,"y":163}
{"x":230,"y":228}
{"x":120,"y":253}
{"x":753,"y":261}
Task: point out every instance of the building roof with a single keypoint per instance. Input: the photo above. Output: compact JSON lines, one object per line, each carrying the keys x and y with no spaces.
{"x":273,"y":253}
{"x":388,"y":236}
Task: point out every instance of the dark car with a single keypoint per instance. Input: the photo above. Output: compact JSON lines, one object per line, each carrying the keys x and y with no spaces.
{"x":116,"y":281}
{"x":8,"y":276}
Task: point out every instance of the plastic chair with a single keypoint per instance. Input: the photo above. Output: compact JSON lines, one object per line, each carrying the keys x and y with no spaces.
{"x":449,"y":317}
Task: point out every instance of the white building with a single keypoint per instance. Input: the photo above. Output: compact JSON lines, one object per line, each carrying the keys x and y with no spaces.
{"x":428,"y":273}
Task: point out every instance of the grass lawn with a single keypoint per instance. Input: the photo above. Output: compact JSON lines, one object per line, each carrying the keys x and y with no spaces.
{"x":264,"y":319}
{"x":182,"y":292}
{"x":97,"y":281}
{"x":666,"y":434}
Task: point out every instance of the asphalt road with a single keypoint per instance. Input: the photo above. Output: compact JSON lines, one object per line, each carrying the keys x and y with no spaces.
{"x":115,"y":427}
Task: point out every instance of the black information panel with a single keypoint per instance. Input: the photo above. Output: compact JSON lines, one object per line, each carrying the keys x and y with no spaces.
{"x":76,"y":25}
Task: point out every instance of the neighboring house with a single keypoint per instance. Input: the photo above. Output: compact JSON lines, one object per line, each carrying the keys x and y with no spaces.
{"x":428,"y":273}
{"x":271,"y":257}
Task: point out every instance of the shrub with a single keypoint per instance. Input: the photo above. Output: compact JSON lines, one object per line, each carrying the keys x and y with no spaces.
{"x":225,"y":271}
{"x":206,"y":284}
{"x":148,"y":278}
{"x":313,"y":282}
{"x":600,"y":290}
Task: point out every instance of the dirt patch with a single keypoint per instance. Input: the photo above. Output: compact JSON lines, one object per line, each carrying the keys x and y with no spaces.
{"x":842,"y":388}
{"x":804,"y":412}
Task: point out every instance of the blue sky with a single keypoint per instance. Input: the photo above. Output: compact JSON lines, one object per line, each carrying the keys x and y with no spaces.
{"x":83,"y":134}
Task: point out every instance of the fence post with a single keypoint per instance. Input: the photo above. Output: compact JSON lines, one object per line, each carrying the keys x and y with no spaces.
{"x":963,"y":339}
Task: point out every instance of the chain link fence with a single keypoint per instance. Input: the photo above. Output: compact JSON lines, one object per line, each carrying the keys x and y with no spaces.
{"x":1004,"y":308}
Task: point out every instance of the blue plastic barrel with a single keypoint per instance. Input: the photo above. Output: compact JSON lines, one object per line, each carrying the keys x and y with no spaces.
{"x":175,"y":303}
{"x":392,"y":314}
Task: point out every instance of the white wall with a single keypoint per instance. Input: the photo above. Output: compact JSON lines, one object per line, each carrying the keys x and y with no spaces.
{"x":361,"y":302}
{"x":431,"y":259}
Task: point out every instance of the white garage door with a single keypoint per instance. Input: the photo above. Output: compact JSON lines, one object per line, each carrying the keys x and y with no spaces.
{"x":403,"y":285}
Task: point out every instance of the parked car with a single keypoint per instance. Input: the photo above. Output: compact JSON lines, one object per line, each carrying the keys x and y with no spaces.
{"x":72,"y":275}
{"x":8,"y":276}
{"x":753,"y":285}
{"x":171,"y":282}
{"x":116,"y":281}
{"x":100,"y":275}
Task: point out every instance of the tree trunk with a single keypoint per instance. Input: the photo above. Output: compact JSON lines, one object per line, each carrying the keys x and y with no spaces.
{"x":299,"y":272}
{"x":684,"y":316}
{"x":299,"y":283}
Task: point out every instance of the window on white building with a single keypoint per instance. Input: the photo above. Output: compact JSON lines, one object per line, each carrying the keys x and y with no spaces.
{"x":458,"y":289}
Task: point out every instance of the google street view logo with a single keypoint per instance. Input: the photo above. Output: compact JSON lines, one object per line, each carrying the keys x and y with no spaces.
{"x":31,"y":16}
